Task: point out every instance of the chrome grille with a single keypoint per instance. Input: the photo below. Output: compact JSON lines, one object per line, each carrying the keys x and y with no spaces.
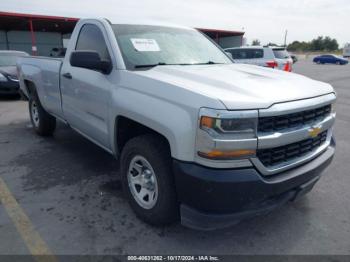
{"x":284,"y":154}
{"x":278,"y":123}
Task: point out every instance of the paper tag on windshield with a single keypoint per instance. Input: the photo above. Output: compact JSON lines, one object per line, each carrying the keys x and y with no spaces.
{"x":145,"y":45}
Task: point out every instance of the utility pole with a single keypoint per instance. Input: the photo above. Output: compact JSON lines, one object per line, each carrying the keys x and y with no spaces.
{"x":285,"y":38}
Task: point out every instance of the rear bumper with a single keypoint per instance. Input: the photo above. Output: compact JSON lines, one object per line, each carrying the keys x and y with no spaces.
{"x":217,"y":198}
{"x":9,"y":88}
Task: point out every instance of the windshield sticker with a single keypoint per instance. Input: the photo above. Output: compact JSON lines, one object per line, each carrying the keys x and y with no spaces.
{"x":145,"y":45}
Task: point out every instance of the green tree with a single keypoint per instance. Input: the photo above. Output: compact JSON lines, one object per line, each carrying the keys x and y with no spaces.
{"x":318,"y":44}
{"x":256,"y":42}
{"x":330,"y":44}
{"x":272,"y":44}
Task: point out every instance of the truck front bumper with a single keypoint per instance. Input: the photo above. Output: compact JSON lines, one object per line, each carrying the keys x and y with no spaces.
{"x":216,"y":198}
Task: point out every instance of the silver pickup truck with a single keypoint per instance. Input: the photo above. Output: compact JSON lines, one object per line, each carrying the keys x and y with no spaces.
{"x":199,"y":138}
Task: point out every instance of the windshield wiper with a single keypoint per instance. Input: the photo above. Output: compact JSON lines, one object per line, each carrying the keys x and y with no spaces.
{"x":208,"y":63}
{"x":162,"y":64}
{"x":151,"y":65}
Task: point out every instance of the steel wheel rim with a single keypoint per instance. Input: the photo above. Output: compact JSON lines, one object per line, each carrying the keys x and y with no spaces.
{"x":142,"y":182}
{"x":35,"y":114}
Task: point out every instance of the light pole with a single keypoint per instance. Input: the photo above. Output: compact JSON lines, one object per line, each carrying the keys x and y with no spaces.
{"x":285,"y":38}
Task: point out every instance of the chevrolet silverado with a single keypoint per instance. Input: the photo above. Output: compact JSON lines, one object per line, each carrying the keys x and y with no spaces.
{"x":199,"y":138}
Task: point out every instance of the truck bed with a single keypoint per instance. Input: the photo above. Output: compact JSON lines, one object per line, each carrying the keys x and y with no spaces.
{"x":44,"y":73}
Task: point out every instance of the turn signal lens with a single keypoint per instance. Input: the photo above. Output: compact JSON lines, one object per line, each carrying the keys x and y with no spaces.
{"x":225,"y":155}
{"x":207,"y":121}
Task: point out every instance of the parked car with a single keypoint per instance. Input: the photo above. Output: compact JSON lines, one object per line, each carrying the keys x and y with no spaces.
{"x":273,"y":57}
{"x":330,"y":59}
{"x":9,"y":84}
{"x":198,"y":137}
{"x":58,"y":52}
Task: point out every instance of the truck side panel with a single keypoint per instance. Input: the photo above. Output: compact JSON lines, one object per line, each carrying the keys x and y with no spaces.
{"x":45,"y":74}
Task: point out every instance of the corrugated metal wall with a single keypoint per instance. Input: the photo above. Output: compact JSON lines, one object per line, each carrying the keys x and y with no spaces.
{"x":3,"y":45}
{"x":21,"y":40}
{"x":230,"y":41}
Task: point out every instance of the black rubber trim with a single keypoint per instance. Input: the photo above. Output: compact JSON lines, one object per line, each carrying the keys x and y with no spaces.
{"x":214,"y":198}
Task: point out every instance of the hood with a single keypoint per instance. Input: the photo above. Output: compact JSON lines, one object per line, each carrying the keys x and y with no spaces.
{"x":8,"y":70}
{"x":240,"y":86}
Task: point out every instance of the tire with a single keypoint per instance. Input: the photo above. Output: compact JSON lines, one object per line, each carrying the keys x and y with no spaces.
{"x":152,"y":153}
{"x":338,"y":63}
{"x":318,"y":62}
{"x":43,"y":123}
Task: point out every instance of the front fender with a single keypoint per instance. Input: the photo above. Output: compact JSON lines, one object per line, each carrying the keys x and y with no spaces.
{"x":176,"y":123}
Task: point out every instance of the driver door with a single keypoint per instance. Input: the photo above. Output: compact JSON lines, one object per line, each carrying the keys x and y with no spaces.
{"x":86,"y":92}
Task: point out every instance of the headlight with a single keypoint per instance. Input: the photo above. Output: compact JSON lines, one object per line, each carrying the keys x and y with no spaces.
{"x":226,"y":135}
{"x":239,"y":127}
{"x":3,"y":78}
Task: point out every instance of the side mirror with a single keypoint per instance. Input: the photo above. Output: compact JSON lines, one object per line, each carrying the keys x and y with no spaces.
{"x":229,"y":55}
{"x":90,"y":60}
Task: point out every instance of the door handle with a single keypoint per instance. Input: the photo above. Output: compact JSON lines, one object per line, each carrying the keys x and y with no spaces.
{"x":67,"y":75}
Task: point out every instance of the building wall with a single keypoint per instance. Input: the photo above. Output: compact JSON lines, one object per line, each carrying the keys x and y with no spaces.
{"x":22,"y":41}
{"x":3,"y":42}
{"x":45,"y":41}
{"x":230,"y":41}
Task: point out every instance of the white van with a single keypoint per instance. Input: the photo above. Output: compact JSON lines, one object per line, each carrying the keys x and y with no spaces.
{"x":274,"y":57}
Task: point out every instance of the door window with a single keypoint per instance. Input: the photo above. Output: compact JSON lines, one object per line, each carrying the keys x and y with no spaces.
{"x":91,"y":39}
{"x":246,"y":53}
{"x":257,"y":53}
{"x":281,"y":53}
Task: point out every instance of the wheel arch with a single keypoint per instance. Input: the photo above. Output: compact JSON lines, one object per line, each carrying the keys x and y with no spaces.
{"x":126,"y":128}
{"x":29,"y":87}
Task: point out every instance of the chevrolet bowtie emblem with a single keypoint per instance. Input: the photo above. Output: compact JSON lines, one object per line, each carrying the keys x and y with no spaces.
{"x":315,"y":131}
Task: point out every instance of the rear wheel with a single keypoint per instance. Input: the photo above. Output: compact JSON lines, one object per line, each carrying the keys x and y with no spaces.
{"x":43,"y":123}
{"x":148,"y":180}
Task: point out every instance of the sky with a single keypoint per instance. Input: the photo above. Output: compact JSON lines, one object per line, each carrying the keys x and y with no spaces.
{"x":266,"y":20}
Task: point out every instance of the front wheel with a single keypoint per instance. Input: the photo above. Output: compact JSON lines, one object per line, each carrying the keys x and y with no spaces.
{"x":148,"y":180}
{"x":43,"y":123}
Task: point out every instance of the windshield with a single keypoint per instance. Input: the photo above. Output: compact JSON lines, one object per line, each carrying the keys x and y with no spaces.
{"x":8,"y":60}
{"x":281,"y":53}
{"x":144,"y":45}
